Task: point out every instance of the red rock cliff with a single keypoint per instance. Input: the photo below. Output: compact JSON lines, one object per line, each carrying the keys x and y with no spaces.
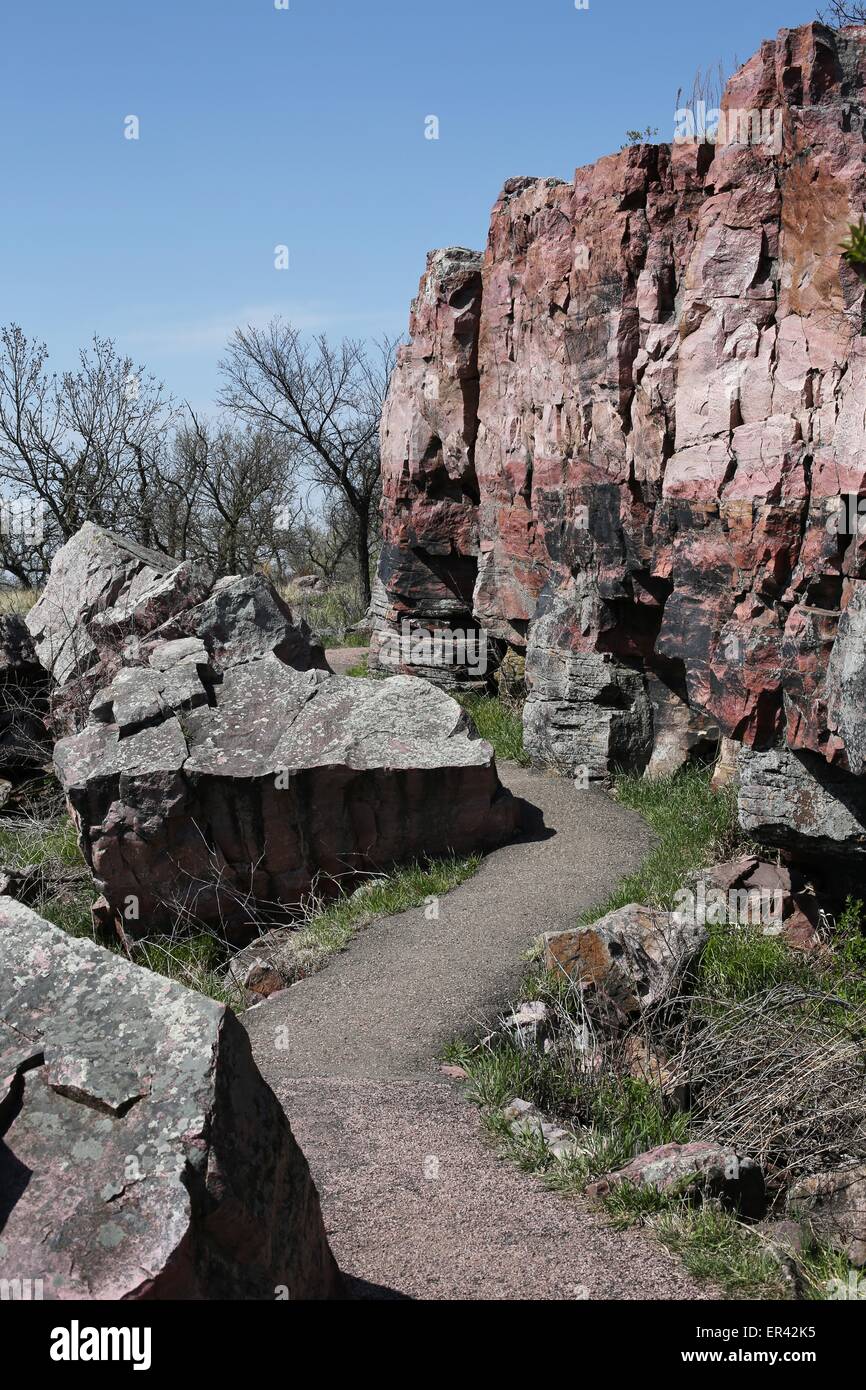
{"x":619,"y":440}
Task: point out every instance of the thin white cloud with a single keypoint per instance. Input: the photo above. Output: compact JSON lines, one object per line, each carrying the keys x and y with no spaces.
{"x":214,"y":331}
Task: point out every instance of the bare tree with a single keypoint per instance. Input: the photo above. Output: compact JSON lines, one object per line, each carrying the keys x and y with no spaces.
{"x":241,"y":509}
{"x":86,"y":445}
{"x":327,"y":540}
{"x":328,"y":402}
{"x":842,"y":12}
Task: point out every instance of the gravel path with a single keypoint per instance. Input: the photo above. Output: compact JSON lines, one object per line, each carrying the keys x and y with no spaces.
{"x":415,"y":1200}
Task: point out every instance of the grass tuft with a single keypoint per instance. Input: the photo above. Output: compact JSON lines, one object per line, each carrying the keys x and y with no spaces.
{"x":694,"y":826}
{"x":501,"y":724}
{"x":330,"y":927}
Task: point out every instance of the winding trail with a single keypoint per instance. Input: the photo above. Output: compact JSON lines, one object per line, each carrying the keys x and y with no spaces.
{"x":416,"y":1202}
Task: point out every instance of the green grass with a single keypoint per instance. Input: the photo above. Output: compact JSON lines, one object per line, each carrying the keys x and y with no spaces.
{"x":739,"y":963}
{"x":714,"y":1246}
{"x":822,"y":1270}
{"x":40,"y":842}
{"x":197,"y":962}
{"x":71,"y":911}
{"x":360,"y":668}
{"x":500,"y":724}
{"x":332,"y":614}
{"x":849,"y":936}
{"x":331,"y":927}
{"x":615,"y":1116}
{"x":694,"y":826}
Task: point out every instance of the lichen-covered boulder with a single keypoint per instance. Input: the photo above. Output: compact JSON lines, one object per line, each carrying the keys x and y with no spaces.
{"x":103,"y":589}
{"x":223,"y":803}
{"x":629,"y":960}
{"x":795,"y":801}
{"x":143,"y":1156}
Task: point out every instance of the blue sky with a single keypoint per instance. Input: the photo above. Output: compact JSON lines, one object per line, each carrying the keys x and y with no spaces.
{"x":302,"y":127}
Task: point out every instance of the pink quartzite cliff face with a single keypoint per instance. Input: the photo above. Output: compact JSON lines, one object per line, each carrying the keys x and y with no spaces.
{"x":669,"y":365}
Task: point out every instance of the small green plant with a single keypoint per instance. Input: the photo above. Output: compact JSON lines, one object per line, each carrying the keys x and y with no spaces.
{"x":854,"y":247}
{"x":825,"y":1274}
{"x":195,"y":961}
{"x":849,"y":938}
{"x":641,"y":137}
{"x":714,"y":1245}
{"x":501,"y":724}
{"x":739,"y":963}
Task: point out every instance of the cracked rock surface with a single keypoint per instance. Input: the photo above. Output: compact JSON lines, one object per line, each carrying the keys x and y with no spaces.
{"x":141,"y":1153}
{"x":266,"y":784}
{"x":624,"y":439}
{"x":216,"y":770}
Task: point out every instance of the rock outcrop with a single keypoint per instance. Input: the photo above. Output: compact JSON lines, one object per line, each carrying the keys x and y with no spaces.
{"x":216,"y":772}
{"x":143,"y":1156}
{"x":225,"y":803}
{"x":110,"y":603}
{"x":429,"y":559}
{"x":625,"y":441}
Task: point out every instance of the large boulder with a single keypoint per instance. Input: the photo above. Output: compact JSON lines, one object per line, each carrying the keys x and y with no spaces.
{"x":669,"y":363}
{"x":797,"y":802}
{"x":143,"y":1156}
{"x":225,"y":802}
{"x":629,"y":960}
{"x":102,"y":590}
{"x":109,"y":603}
